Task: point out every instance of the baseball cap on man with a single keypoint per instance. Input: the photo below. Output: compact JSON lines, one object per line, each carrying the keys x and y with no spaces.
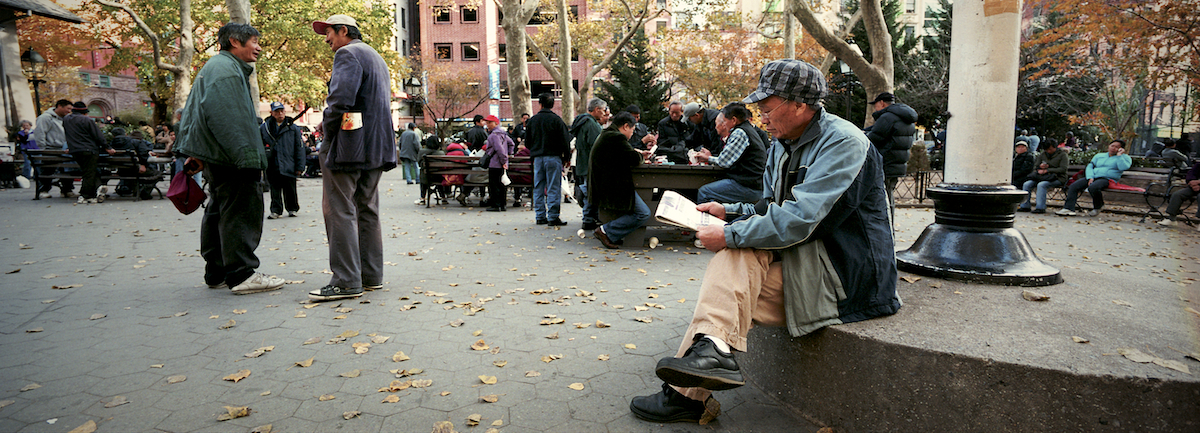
{"x":492,"y":118}
{"x":790,"y":79}
{"x":885,"y":96}
{"x":321,"y":26}
{"x":276,"y":106}
{"x":690,"y":109}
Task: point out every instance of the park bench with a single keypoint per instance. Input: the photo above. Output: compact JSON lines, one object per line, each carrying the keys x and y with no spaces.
{"x":110,"y":167}
{"x":459,"y":169}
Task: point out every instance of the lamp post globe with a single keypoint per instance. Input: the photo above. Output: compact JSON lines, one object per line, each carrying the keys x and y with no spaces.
{"x":34,"y":66}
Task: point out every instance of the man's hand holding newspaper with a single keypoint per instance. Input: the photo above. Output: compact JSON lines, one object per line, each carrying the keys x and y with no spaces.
{"x":706,"y":219}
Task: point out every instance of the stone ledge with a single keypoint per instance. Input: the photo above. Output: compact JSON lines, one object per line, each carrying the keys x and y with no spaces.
{"x":861,"y":384}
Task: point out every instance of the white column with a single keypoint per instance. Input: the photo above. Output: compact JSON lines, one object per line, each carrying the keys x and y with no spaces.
{"x":22,"y":97}
{"x":984,"y":63}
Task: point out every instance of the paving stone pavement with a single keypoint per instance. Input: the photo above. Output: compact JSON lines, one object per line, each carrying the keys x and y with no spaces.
{"x":108,"y":300}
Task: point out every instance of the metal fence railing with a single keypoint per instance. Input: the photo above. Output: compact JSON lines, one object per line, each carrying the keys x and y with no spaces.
{"x":913,"y":185}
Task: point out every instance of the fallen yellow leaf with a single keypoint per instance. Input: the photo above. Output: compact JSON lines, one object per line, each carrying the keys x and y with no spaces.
{"x":576,"y":386}
{"x":236,"y":377}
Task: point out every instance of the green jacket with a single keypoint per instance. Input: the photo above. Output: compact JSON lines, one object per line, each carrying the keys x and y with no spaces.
{"x":586,"y":130}
{"x":219,"y":123}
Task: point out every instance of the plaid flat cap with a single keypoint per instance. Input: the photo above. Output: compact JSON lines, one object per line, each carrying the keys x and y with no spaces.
{"x":789,"y":79}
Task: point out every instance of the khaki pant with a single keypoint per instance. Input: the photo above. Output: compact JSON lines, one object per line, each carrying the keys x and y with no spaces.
{"x":741,"y":288}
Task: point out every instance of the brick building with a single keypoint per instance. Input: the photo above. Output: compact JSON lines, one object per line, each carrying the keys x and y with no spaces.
{"x":109,"y":95}
{"x":472,"y":39}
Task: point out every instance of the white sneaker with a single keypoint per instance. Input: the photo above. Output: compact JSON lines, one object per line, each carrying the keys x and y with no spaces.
{"x":81,"y":200}
{"x":1065,"y":212}
{"x":44,"y":195}
{"x":1094,"y":212}
{"x":259,"y":282}
{"x":274,"y":216}
{"x":1167,"y":222}
{"x":102,"y":191}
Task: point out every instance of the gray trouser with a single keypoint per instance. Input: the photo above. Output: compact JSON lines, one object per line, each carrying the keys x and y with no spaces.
{"x":351,"y":208}
{"x":232,"y":225}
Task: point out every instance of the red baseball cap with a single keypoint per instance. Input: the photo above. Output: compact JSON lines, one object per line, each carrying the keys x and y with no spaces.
{"x":491,"y":118}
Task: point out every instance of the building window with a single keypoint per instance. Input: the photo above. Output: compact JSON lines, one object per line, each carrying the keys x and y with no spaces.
{"x":403,"y":18}
{"x":443,"y":51}
{"x":470,"y":51}
{"x":105,"y":81}
{"x":503,"y":53}
{"x":404,"y":46}
{"x":86,"y":78}
{"x":660,"y":26}
{"x":910,"y":6}
{"x":662,"y":4}
{"x":470,"y":15}
{"x":504,"y":90}
{"x":442,"y":16}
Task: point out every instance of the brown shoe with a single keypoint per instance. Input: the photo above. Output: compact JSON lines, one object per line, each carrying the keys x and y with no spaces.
{"x":603,"y":237}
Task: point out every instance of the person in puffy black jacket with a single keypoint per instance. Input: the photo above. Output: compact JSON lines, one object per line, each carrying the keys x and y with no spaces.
{"x":892,"y":134}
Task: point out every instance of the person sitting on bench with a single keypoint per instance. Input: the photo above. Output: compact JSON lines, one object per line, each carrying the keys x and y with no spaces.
{"x":1187,"y":192}
{"x":1104,"y":169}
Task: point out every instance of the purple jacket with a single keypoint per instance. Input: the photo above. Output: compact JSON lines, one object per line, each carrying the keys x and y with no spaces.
{"x":498,"y":143}
{"x":360,"y":84}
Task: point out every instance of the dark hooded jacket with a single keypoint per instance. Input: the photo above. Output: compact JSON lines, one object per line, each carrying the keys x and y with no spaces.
{"x":892,"y":135}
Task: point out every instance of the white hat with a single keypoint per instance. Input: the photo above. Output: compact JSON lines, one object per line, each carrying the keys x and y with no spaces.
{"x":339,"y":19}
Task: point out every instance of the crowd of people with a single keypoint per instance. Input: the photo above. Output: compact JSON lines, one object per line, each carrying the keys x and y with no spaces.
{"x":807,"y":200}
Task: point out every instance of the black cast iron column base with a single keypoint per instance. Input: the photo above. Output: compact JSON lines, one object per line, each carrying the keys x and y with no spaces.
{"x":972,"y":239}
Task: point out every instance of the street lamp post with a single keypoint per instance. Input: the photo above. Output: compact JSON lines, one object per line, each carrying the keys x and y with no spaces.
{"x":34,"y":66}
{"x":413,"y":85}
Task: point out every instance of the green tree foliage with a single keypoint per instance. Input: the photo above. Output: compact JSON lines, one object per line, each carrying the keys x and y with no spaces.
{"x":294,"y":64}
{"x":1057,"y":84}
{"x":635,"y":80}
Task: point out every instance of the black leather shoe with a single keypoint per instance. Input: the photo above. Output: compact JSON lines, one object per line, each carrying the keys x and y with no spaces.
{"x":701,"y":366}
{"x":590,"y":226}
{"x":1022,"y":209}
{"x":603,"y":237}
{"x":541,"y":222}
{"x":556,"y":222}
{"x":667,"y":406}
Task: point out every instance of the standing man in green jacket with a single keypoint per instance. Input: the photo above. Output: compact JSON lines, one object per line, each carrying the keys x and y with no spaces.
{"x":219,"y":133}
{"x":586,"y":128}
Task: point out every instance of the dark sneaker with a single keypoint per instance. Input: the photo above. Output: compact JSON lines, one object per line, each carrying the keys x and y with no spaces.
{"x":1038,"y":211}
{"x":542,"y":222}
{"x":493,"y":209}
{"x":1022,"y":209}
{"x":671,"y":406}
{"x":372,"y":287}
{"x":590,"y":226}
{"x":556,"y":222}
{"x":331,"y":292}
{"x":221,"y":285}
{"x":701,"y":366}
{"x":603,"y":237}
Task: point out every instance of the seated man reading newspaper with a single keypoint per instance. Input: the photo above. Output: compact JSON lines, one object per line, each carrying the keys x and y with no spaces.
{"x":816,"y":251}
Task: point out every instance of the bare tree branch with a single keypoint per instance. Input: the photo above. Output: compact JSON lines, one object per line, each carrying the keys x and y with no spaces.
{"x":154,"y":39}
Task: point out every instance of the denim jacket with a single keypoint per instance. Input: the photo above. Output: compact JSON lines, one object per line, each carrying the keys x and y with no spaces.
{"x":831,"y":227}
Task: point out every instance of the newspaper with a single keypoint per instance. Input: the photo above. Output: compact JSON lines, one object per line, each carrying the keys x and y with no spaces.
{"x":675,"y":209}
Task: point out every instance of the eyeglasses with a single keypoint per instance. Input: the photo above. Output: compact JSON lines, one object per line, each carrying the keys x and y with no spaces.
{"x":767,"y":114}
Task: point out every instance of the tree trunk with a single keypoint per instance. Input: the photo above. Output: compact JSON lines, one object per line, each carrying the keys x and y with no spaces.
{"x":239,"y":12}
{"x":564,"y":63}
{"x":516,"y":15}
{"x":187,"y":50}
{"x":789,"y":26}
{"x":876,"y":76}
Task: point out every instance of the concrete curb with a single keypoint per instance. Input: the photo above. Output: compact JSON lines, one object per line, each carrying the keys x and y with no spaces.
{"x":860,"y":384}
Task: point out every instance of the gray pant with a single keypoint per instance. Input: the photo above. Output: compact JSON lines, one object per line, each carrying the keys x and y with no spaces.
{"x":351,"y":208}
{"x":232,"y":224}
{"x":1183,"y":193}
